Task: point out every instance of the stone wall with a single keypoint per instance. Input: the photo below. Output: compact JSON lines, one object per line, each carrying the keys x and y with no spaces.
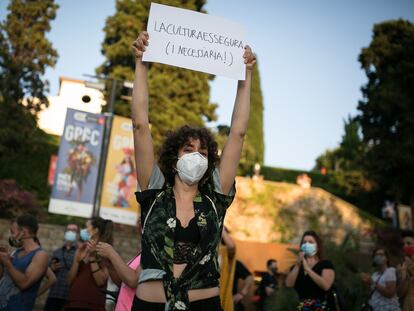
{"x":126,"y":242}
{"x":275,"y":212}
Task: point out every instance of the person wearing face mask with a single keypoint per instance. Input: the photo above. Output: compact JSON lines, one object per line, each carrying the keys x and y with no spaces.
{"x":312,"y":276}
{"x":383,"y":283}
{"x":60,"y":264}
{"x":405,"y":273}
{"x":89,"y":272}
{"x":183,"y":200}
{"x":268,"y":284}
{"x":22,"y":269}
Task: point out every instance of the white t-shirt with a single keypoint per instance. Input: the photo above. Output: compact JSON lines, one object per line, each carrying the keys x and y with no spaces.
{"x":378,"y":301}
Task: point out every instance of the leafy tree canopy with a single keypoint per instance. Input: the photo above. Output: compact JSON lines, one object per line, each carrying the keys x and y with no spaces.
{"x":177,"y":96}
{"x":25,"y":54}
{"x":386,"y":112}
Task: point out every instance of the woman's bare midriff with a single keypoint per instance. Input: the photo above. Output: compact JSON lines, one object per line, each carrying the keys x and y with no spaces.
{"x":153,"y":291}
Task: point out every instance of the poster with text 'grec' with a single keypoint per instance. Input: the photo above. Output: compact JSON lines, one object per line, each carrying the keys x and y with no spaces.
{"x":74,"y":187}
{"x":196,"y":41}
{"x":118,"y":201}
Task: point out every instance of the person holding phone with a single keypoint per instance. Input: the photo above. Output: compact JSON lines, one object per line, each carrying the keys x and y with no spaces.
{"x":60,"y":264}
{"x":89,"y":273}
{"x":312,"y":276}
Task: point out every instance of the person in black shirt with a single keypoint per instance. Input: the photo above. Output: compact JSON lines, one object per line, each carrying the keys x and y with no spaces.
{"x":268,"y":284}
{"x":241,"y":273}
{"x":311,"y":276}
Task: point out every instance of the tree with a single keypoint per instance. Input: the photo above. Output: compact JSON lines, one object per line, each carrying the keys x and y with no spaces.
{"x":344,"y":163}
{"x":177,"y":96}
{"x":253,"y":150}
{"x":386,"y":112}
{"x":352,"y":148}
{"x":350,"y":152}
{"x":25,"y":53}
{"x":329,"y":160}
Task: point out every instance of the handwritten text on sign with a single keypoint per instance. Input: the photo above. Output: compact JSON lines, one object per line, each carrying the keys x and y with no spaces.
{"x":195,"y":41}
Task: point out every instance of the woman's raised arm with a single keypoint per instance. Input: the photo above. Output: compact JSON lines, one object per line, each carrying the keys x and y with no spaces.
{"x":143,"y":145}
{"x":232,"y":150}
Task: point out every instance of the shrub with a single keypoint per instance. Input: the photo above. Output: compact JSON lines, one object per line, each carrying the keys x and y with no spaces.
{"x":15,"y":201}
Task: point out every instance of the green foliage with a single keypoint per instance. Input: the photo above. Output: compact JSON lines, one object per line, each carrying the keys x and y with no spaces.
{"x":352,"y":148}
{"x":253,"y":150}
{"x":247,"y":158}
{"x":346,"y":174}
{"x":248,"y":155}
{"x":285,"y":299}
{"x":289,"y":176}
{"x":28,"y":171}
{"x":25,"y":54}
{"x":316,"y":212}
{"x":329,"y":160}
{"x":351,"y":186}
{"x":348,"y":156}
{"x":349,"y":263}
{"x":30,"y":167}
{"x":375,"y":159}
{"x":177,"y":96}
{"x":386,"y":112}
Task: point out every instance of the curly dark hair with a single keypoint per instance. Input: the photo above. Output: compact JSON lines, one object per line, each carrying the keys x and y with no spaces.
{"x":175,"y":140}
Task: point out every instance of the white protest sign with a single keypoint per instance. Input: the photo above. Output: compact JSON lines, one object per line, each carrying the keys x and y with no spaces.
{"x":196,"y":41}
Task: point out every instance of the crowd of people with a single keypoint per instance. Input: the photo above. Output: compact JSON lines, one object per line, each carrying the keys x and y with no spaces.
{"x":186,"y":260}
{"x":76,"y":274}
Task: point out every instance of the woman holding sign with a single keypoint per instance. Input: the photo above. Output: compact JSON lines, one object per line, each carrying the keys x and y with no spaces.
{"x":183,"y":200}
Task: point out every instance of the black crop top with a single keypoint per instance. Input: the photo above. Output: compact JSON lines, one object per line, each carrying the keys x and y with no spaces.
{"x":185,"y":241}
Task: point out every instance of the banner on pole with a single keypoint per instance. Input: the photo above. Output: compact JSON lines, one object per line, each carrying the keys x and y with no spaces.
{"x":74,"y":187}
{"x":118,"y":201}
{"x":196,"y":41}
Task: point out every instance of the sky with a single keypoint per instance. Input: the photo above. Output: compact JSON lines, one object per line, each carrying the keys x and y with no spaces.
{"x":308,"y":63}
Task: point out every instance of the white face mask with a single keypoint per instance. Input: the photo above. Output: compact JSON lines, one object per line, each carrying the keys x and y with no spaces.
{"x":191,"y":167}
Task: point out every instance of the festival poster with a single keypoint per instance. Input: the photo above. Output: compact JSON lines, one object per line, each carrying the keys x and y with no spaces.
{"x":74,"y":187}
{"x":118,"y":201}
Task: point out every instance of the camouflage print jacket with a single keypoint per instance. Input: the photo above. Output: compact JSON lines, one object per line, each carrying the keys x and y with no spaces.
{"x":158,"y":217}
